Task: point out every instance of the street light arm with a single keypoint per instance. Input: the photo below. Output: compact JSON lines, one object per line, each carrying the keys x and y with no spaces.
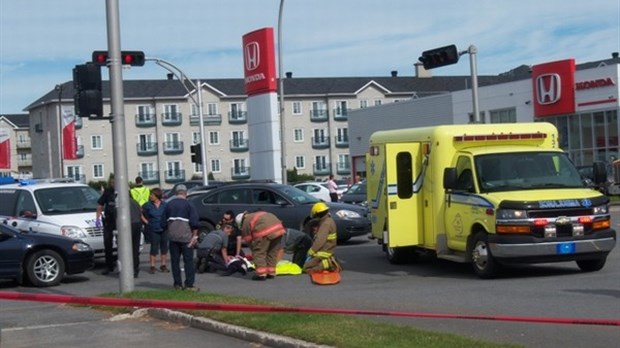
{"x":178,"y":73}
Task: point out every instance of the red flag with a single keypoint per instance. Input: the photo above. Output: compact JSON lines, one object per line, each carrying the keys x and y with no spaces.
{"x":5,"y":149}
{"x":69,"y":141}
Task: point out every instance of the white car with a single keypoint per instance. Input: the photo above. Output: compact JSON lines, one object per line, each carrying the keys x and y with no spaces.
{"x":317,"y":189}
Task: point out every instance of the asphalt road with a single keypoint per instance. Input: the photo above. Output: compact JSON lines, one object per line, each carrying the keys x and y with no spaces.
{"x":369,"y":282}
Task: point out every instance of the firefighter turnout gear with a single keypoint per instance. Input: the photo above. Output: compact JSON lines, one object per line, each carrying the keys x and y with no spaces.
{"x":322,"y":253}
{"x":263,"y":231}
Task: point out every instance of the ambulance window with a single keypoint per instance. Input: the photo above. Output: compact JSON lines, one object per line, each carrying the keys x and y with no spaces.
{"x":404,"y":176}
{"x":465,"y":179}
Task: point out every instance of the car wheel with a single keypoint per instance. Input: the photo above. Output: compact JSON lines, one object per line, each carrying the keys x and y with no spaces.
{"x":482,"y":260}
{"x":45,"y":268}
{"x":205,"y":227}
{"x":592,"y":265}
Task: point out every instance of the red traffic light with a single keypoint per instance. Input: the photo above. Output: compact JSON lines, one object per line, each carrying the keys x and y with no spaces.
{"x":133,"y":58}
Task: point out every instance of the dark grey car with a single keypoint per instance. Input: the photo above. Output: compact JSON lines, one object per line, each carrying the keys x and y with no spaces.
{"x":288,"y":203}
{"x":356,"y":194}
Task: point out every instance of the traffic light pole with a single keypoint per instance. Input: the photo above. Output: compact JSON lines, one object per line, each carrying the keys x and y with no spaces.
{"x":121,"y":182}
{"x":472,"y":50}
{"x":182,"y":77}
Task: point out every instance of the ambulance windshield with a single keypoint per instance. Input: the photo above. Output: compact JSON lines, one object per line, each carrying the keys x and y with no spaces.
{"x":526,"y":171}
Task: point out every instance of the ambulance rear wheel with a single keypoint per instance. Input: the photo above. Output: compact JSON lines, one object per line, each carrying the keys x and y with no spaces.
{"x":397,"y":256}
{"x":482,"y":260}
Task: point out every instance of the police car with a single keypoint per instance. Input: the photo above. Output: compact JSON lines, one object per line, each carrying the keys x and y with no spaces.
{"x":60,"y":207}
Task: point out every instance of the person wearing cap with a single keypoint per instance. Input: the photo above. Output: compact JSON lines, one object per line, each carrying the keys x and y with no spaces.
{"x":321,"y":255}
{"x":264,"y":232}
{"x":181,"y":220}
{"x":212,"y":251}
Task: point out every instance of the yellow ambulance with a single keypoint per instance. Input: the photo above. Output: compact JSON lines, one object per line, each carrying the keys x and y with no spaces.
{"x":487,"y":194}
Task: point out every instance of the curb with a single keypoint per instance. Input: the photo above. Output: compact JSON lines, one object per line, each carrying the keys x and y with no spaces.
{"x":240,"y":332}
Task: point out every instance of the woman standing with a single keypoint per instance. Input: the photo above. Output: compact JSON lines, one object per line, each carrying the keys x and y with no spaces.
{"x":151,"y":216}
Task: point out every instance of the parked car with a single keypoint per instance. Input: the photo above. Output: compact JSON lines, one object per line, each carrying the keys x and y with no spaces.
{"x":190,"y":185}
{"x":42,"y":259}
{"x":356,"y":194}
{"x":317,"y":189}
{"x":288,"y":203}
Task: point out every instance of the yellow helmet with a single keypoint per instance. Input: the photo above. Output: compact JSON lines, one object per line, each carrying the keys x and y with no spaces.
{"x":318,"y":208}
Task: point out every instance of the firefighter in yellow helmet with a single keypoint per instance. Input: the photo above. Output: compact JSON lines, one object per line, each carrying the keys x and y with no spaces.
{"x":264,"y":233}
{"x":321,"y":256}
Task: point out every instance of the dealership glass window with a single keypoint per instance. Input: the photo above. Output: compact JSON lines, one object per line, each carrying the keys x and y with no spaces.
{"x":216,"y":166}
{"x":300,"y":162}
{"x":297,"y":108}
{"x":298,"y":134}
{"x":96,"y":142}
{"x":214,"y":138}
{"x":503,"y":116}
{"x":98,"y":171}
{"x":587,"y":138}
{"x":574,"y":128}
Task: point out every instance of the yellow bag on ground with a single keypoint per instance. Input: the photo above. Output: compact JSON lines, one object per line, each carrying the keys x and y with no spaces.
{"x":285,"y":267}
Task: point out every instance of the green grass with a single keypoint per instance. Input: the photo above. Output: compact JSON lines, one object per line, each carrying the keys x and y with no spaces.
{"x":329,"y":329}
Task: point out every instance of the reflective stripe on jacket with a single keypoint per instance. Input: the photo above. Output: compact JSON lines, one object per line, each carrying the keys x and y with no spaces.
{"x":261,"y":224}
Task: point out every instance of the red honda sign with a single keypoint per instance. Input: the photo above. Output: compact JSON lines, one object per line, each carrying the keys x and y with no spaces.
{"x":554,"y":88}
{"x":259,"y":63}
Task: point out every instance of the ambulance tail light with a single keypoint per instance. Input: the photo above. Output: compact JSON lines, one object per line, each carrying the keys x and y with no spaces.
{"x":500,"y":137}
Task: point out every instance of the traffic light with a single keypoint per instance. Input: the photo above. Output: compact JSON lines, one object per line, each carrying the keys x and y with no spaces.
{"x":87,"y":100}
{"x":196,"y":151}
{"x":133,"y":58}
{"x":439,"y":57}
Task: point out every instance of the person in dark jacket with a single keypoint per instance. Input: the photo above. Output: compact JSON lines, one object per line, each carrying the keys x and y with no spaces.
{"x":135,"y":215}
{"x":106,"y":215}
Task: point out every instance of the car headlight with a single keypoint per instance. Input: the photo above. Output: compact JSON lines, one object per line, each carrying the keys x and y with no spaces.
{"x":601,"y":209}
{"x":348,"y":214}
{"x":73,"y":232}
{"x":80,"y":247}
{"x":511,"y":214}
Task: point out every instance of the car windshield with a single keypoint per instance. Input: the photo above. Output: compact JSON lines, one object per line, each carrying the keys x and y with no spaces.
{"x":358,"y":189}
{"x":526,"y":171}
{"x":299,"y":196}
{"x":67,"y":199}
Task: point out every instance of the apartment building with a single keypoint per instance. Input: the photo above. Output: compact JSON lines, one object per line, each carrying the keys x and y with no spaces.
{"x":15,"y":146}
{"x":161,"y":122}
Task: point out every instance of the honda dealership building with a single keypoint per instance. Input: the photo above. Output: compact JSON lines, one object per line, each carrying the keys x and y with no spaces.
{"x":581,"y":100}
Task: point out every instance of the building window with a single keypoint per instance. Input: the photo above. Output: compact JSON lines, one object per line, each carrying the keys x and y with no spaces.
{"x":98,"y":171}
{"x":214,"y":138}
{"x":300,"y":162}
{"x":211,"y":109}
{"x":216,"y":166}
{"x":378,"y":102}
{"x":321,"y":163}
{"x":503,"y":116}
{"x":96,"y":142}
{"x":297,"y":108}
{"x":171,"y":112}
{"x":363,"y":103}
{"x":298,"y":135}
{"x":75,"y":172}
{"x":195,"y":137}
{"x":197,"y":168}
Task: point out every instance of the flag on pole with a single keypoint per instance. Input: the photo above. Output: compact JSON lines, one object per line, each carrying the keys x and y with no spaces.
{"x":5,"y":149}
{"x":69,"y":141}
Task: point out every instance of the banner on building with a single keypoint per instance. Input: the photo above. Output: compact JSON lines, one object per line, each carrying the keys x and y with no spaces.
{"x":554,"y":88}
{"x":259,"y":63}
{"x":5,"y":149}
{"x":69,"y":140}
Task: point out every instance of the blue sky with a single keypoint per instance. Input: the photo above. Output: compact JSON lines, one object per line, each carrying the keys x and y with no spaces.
{"x":42,"y":40}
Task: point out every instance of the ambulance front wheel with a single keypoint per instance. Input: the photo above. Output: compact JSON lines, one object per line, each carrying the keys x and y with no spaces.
{"x":397,"y":256}
{"x":482,"y":260}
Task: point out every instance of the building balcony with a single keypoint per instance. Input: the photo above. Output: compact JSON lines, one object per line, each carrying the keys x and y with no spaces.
{"x":343,"y":168}
{"x":341,"y":141}
{"x":24,"y":144}
{"x":173,"y":147}
{"x":174,"y":176}
{"x":321,"y":169}
{"x":318,"y":115}
{"x":78,"y":123}
{"x":240,"y":173}
{"x":80,"y":151}
{"x":26,"y":162}
{"x":146,"y":149}
{"x":81,"y":178}
{"x":146,"y":120}
{"x":341,"y":114}
{"x":171,"y":119}
{"x":149,"y":177}
{"x":238,"y":117}
{"x":320,"y":142}
{"x":207,"y":120}
{"x":239,"y":145}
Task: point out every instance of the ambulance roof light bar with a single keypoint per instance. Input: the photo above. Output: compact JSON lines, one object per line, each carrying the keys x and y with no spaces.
{"x":501,"y":136}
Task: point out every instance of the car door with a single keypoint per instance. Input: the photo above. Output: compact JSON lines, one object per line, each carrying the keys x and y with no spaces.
{"x":10,"y":253}
{"x":266,"y":199}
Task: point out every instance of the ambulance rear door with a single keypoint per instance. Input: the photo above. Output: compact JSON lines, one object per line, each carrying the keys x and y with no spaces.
{"x":404,"y":177}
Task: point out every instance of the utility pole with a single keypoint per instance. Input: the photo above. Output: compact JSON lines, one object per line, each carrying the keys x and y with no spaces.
{"x":281,"y":91}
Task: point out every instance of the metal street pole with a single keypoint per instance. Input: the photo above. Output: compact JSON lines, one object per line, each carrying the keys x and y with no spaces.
{"x":182,"y":77}
{"x":281,"y":91}
{"x":473,"y":66}
{"x":121,"y":182}
{"x":58,"y":88}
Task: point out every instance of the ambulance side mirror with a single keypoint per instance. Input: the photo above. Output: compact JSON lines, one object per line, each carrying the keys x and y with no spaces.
{"x":449,"y":178}
{"x":599,"y":171}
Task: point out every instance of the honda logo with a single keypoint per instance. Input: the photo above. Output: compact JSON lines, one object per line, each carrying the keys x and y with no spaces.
{"x":252,"y":56}
{"x":548,"y":89}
